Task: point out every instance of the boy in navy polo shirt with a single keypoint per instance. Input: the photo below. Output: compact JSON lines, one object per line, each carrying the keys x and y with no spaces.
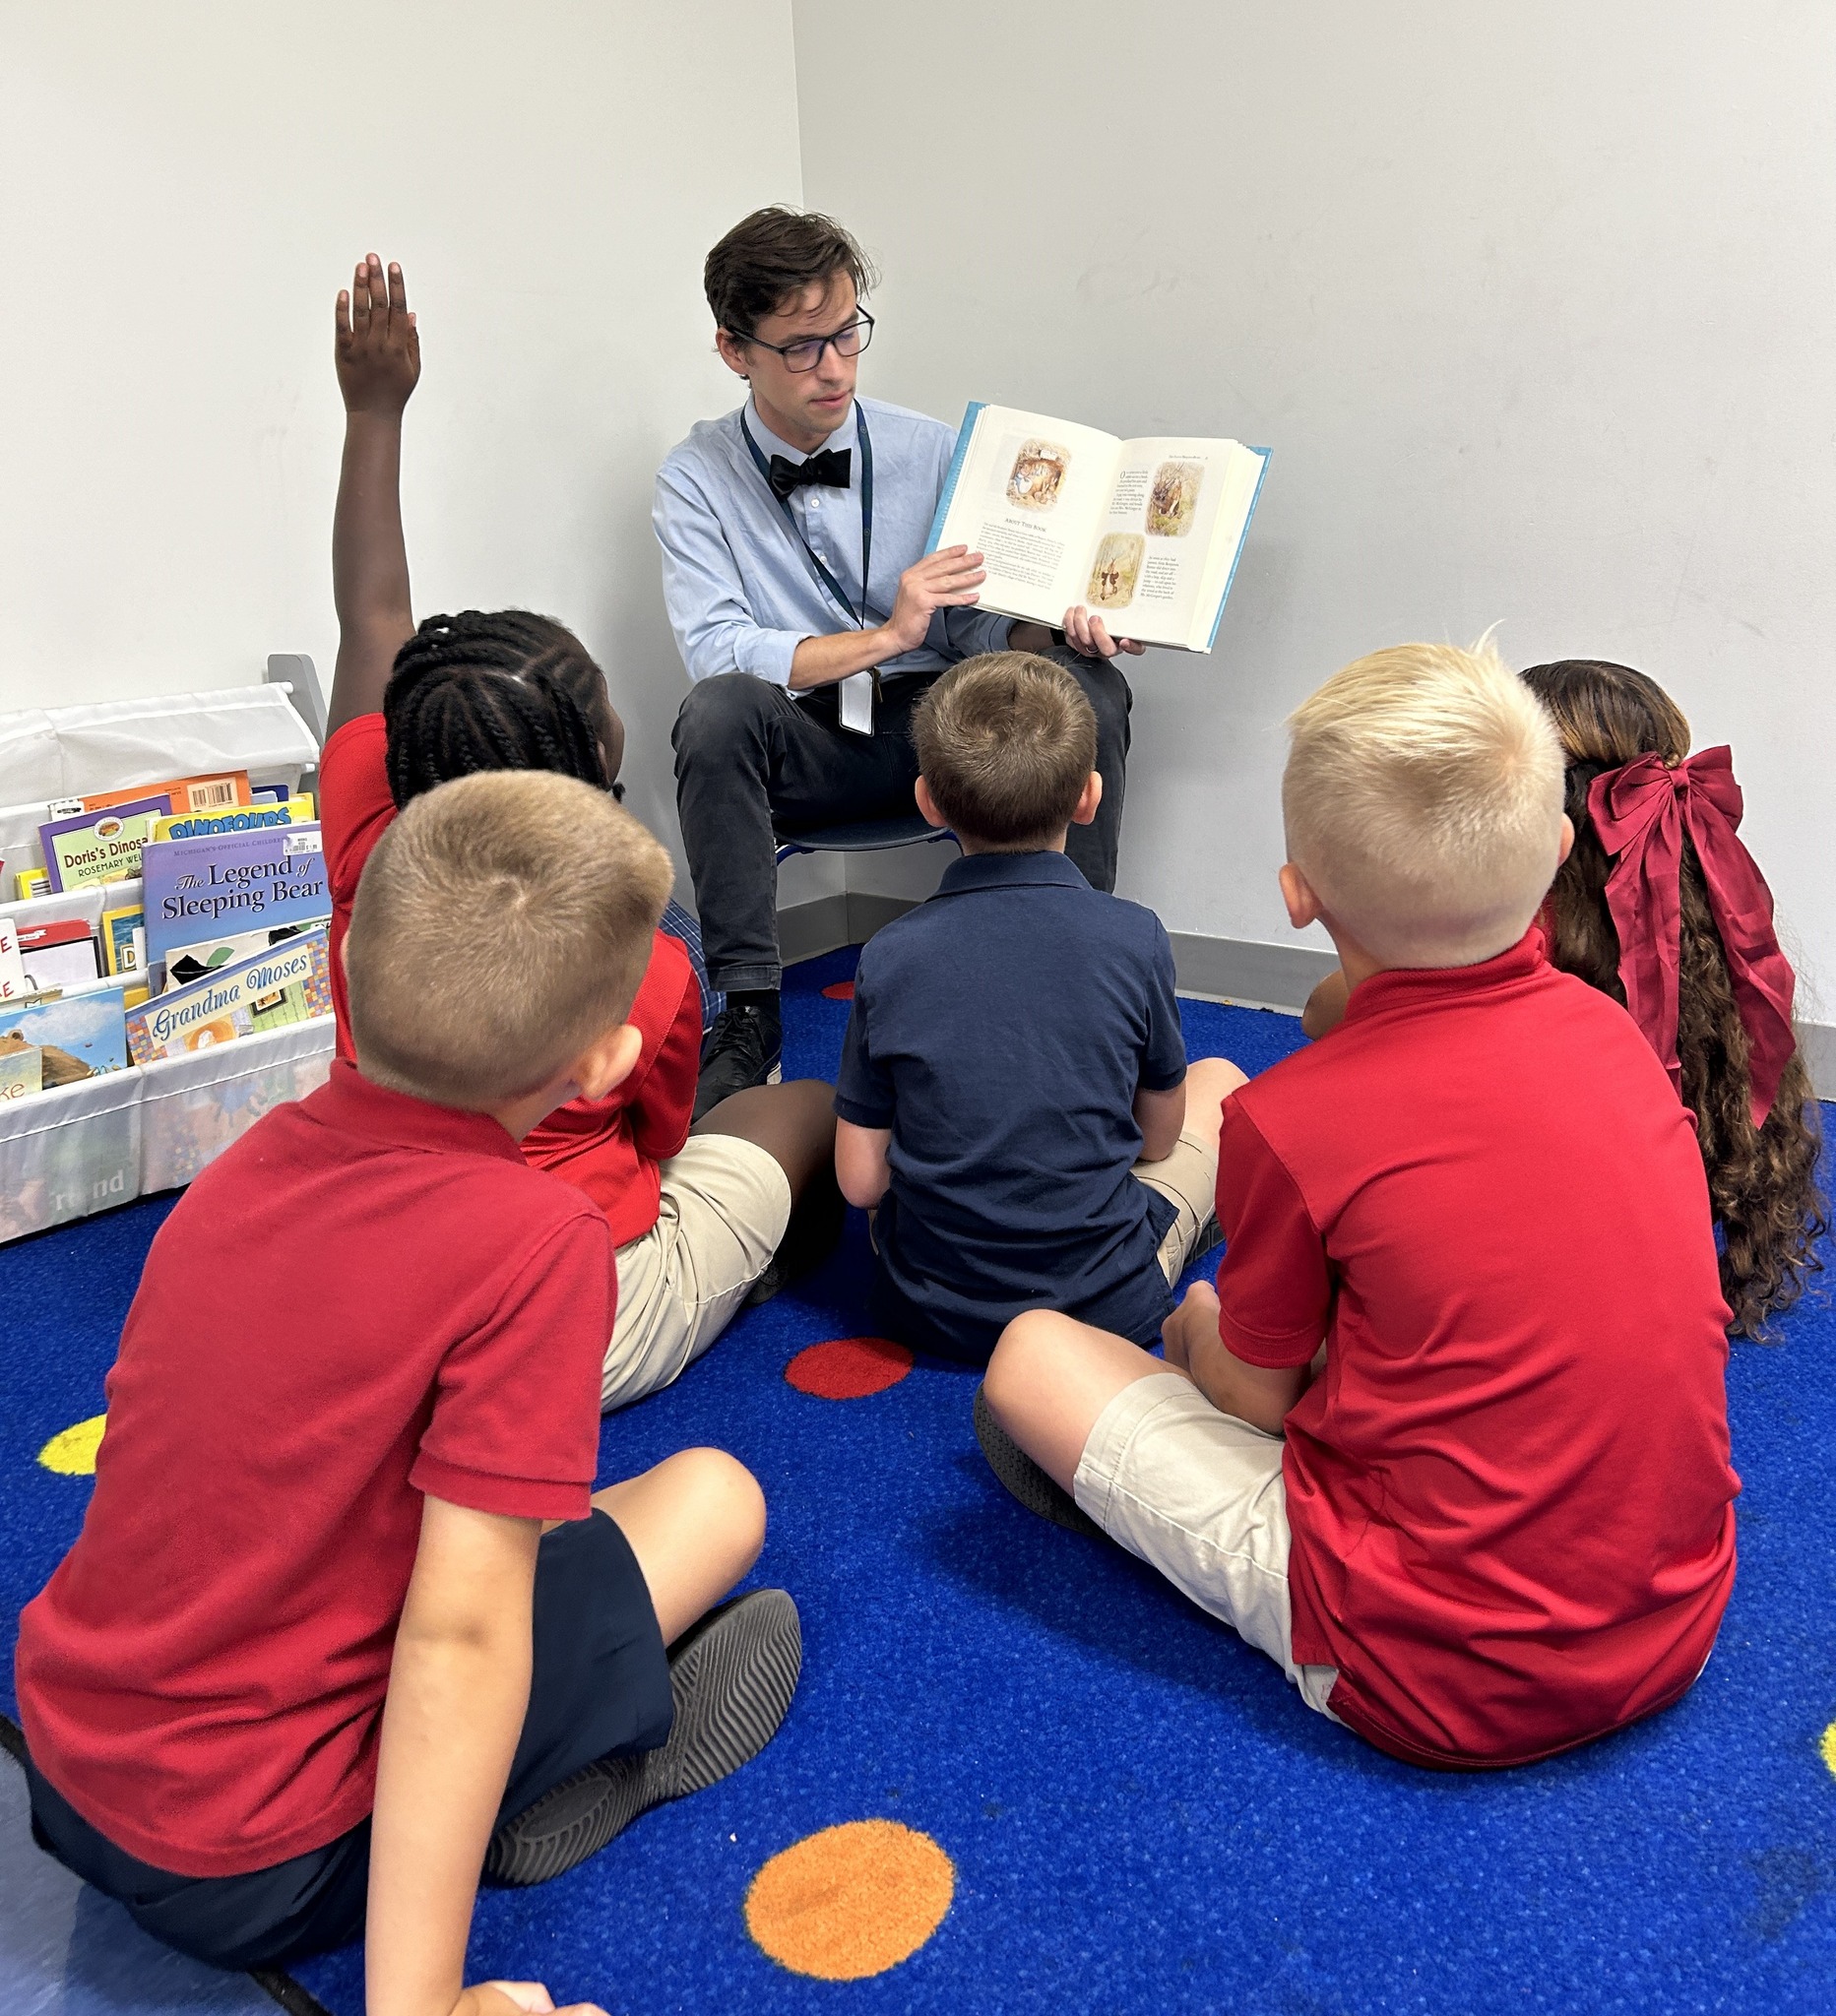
{"x":1498,"y":1519}
{"x":312,"y":1657}
{"x":1013,"y":1094}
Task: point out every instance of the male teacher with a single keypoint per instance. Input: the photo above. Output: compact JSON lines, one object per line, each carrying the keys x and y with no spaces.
{"x":791,"y":535}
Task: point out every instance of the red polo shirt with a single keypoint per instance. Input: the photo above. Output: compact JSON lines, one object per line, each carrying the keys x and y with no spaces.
{"x":1509,"y":1491}
{"x":363,"y":1300}
{"x":610,"y":1150}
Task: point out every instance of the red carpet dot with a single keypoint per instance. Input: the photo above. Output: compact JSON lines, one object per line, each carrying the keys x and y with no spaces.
{"x":849,"y":1367}
{"x":843,"y":990}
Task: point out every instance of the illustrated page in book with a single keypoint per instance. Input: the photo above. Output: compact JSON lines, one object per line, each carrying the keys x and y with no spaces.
{"x":1029,"y":494}
{"x":1169,"y":542}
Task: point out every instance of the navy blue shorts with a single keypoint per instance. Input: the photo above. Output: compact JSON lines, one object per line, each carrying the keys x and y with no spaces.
{"x":598,"y":1686}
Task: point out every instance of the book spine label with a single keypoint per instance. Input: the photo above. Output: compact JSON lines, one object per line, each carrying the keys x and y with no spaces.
{"x":1237,"y":556}
{"x":956,"y":470}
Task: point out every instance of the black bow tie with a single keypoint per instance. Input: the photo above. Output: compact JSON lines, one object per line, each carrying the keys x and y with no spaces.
{"x":828,"y":468}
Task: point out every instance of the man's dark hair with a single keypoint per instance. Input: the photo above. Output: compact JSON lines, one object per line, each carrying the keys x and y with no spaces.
{"x":1006,"y":743}
{"x":773,"y":255}
{"x":501,"y":689}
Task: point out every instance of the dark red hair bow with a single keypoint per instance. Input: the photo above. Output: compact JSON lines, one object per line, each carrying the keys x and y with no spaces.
{"x":1639,"y":812}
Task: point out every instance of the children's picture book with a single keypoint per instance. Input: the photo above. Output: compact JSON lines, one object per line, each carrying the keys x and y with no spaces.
{"x":60,"y":953}
{"x":279,"y":795}
{"x":124,"y":938}
{"x":11,"y":965}
{"x":182,"y":794}
{"x":22,"y":1071}
{"x":289,"y":983}
{"x":31,"y":882}
{"x":1145,"y":534}
{"x":78,"y":1033}
{"x":86,"y":847}
{"x":215,"y":887}
{"x":295,"y":811}
{"x":187,"y":962}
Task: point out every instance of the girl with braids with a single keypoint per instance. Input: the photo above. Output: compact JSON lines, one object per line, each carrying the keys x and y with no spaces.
{"x":703,"y":1225}
{"x":1660,"y":906}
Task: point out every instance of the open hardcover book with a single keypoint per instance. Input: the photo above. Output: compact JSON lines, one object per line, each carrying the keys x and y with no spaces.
{"x":1144,"y":534}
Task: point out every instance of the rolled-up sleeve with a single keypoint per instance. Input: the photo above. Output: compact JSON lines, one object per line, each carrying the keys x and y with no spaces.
{"x":702,"y":590}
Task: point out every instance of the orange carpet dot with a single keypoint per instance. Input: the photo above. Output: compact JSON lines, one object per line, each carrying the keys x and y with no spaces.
{"x":840,"y":990}
{"x":849,"y":1367}
{"x":851,"y":1901}
{"x":71,"y":1453}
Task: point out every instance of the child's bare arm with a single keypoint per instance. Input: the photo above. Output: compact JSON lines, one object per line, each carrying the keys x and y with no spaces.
{"x":1160,"y":1115}
{"x":1326,"y":1005}
{"x":378,"y":350}
{"x":860,"y":1165}
{"x":1261,"y":1395}
{"x":457,"y":1691}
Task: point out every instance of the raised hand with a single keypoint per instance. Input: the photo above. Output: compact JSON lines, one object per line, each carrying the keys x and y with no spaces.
{"x":947,"y":579}
{"x":1088,"y":636}
{"x":378,"y":346}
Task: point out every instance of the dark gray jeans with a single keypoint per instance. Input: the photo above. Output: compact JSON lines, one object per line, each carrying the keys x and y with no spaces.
{"x":751,"y":761}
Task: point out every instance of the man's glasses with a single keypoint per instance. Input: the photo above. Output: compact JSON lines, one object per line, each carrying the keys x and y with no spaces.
{"x":806,"y":353}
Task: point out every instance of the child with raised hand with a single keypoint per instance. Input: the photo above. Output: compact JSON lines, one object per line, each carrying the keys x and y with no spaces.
{"x":346,"y":1619}
{"x":1013,"y":1097}
{"x":1660,"y":907}
{"x":703,"y":1223}
{"x":1499,"y":1522}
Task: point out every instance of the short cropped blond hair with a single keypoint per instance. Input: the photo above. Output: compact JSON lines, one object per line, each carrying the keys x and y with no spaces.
{"x":1424,"y":802}
{"x":502,"y":925}
{"x":1006,"y":742}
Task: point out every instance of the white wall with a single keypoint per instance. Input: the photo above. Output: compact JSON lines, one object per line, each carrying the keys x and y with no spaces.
{"x":1532,"y":302}
{"x":185,"y":189}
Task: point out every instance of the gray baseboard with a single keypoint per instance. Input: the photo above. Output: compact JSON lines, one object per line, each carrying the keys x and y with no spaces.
{"x":1249,"y":973}
{"x":807,"y":930}
{"x":1236,"y":969}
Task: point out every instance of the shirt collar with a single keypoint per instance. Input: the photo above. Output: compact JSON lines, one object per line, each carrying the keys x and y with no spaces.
{"x":845,"y":436}
{"x":355,"y":1105}
{"x":1412,"y":988}
{"x":1048,"y":868}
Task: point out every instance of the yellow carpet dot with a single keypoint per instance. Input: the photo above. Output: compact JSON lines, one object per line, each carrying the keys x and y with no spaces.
{"x":1828,"y":1747}
{"x":73,"y":1453}
{"x":851,"y":1901}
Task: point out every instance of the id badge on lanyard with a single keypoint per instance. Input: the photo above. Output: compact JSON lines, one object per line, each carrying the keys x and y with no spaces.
{"x":854,"y":697}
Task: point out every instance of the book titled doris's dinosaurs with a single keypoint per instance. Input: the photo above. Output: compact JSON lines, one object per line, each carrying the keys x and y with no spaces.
{"x":1145,"y":534}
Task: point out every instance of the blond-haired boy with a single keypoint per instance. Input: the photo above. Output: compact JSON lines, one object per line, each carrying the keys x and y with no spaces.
{"x":346,"y":1611}
{"x":1498,"y":1521}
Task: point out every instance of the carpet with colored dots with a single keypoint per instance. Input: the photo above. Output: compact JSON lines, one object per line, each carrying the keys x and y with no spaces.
{"x":1022,"y":1774}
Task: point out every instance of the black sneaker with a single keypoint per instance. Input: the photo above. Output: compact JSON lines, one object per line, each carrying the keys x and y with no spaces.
{"x":745,"y":1047}
{"x":732,"y":1677}
{"x":1028,"y":1482}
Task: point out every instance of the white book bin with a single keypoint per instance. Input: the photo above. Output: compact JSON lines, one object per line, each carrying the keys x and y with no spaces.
{"x":106,"y":1140}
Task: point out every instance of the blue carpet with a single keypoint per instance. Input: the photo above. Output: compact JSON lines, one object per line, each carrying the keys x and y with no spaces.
{"x":1142,"y":1815}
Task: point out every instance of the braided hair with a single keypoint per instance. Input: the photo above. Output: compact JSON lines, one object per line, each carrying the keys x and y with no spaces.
{"x":1763,"y":1182}
{"x":494,"y":690}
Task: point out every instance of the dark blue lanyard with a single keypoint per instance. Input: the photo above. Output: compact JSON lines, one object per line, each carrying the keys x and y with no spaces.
{"x":823,"y":575}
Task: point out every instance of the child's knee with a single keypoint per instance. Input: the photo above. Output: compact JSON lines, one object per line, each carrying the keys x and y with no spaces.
{"x":1020,"y":1361}
{"x":1213,"y":1080}
{"x":727,"y":1499}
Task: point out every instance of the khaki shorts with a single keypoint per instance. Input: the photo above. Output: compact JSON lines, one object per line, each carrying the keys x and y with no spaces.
{"x":1190,"y":1178}
{"x":1198,"y":1496}
{"x":723,"y":1209}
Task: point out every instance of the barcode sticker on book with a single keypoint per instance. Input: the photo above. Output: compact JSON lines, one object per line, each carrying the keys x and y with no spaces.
{"x":307,"y":841}
{"x":209,"y":792}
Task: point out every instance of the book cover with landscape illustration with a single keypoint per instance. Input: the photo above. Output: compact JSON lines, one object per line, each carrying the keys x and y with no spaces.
{"x":78,"y":1034}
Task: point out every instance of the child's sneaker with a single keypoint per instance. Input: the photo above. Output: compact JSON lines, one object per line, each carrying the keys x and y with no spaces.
{"x":1037,"y":1491}
{"x":732,"y":1676}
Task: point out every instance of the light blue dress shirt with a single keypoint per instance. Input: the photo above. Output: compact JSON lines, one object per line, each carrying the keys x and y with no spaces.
{"x":740,"y":591}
